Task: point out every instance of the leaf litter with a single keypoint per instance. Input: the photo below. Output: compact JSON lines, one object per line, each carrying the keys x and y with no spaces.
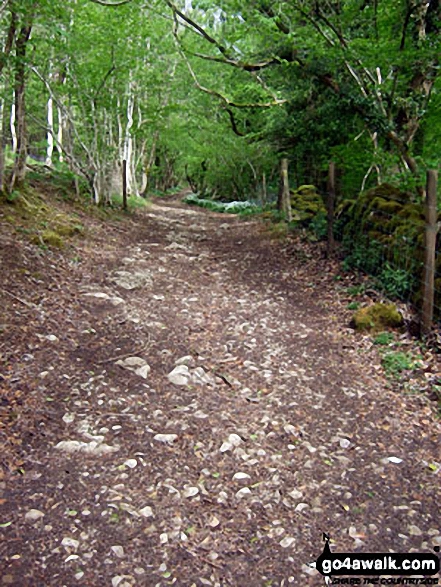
{"x":235,"y":421}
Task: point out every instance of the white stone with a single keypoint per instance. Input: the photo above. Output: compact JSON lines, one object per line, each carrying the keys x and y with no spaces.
{"x":214,"y":522}
{"x":188,"y":360}
{"x":243,"y":492}
{"x":68,"y":542}
{"x":234,"y":439}
{"x":394,"y":460}
{"x":180,"y":375}
{"x":117,"y":550}
{"x":147,"y":512}
{"x":241,"y":476}
{"x":165,"y":438}
{"x":131,"y":363}
{"x":414,"y":530}
{"x":190,"y":491}
{"x":91,"y":448}
{"x":98,"y":295}
{"x":143,"y":371}
{"x":33,"y":515}
{"x":226,"y":446}
{"x":115,"y":301}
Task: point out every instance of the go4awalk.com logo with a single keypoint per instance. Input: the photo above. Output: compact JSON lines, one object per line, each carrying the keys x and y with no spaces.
{"x":370,"y":567}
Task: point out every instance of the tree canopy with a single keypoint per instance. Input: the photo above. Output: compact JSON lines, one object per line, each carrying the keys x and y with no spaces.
{"x":215,"y":93}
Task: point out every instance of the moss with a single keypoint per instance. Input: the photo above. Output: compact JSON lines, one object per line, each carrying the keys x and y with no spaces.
{"x":388,"y":206}
{"x":306,"y":203}
{"x":278,"y":230}
{"x":68,"y":229}
{"x":389,"y":192}
{"x":377,"y":317}
{"x":52,"y":239}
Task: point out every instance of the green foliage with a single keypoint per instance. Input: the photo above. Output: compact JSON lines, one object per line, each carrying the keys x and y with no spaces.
{"x":395,"y":362}
{"x":363,"y":254}
{"x":396,"y":283}
{"x":12,"y":196}
{"x":383,"y":236}
{"x":133,"y":202}
{"x":319,"y":225}
{"x":356,"y":290}
{"x":384,"y":338}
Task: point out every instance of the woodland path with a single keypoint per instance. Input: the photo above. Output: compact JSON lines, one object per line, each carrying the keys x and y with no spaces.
{"x":278,"y":430}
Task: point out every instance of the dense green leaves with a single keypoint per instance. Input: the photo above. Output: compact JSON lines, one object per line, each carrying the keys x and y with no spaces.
{"x":217,"y":92}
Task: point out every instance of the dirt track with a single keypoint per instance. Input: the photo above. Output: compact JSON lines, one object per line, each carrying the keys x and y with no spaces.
{"x":278,"y":430}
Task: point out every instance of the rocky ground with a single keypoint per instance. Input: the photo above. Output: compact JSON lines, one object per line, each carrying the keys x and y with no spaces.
{"x":183,"y":403}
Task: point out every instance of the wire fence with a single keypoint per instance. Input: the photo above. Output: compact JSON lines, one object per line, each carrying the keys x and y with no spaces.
{"x":396,"y":242}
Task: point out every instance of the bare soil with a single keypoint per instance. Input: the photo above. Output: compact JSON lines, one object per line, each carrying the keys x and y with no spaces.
{"x":286,"y":427}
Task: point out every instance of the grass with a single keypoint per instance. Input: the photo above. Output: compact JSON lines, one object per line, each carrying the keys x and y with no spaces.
{"x":133,"y":202}
{"x":356,"y":290}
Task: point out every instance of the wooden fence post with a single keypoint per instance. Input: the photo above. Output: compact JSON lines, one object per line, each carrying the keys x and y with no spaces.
{"x":429,"y":252}
{"x":264,"y":190}
{"x":124,"y":184}
{"x":330,"y":205}
{"x":284,"y":200}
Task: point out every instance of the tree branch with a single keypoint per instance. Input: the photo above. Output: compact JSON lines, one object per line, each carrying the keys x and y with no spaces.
{"x":105,"y":78}
{"x":202,"y":88}
{"x":197,"y":27}
{"x":234,"y":123}
{"x":223,"y":98}
{"x":103,"y":3}
{"x":238,"y":64}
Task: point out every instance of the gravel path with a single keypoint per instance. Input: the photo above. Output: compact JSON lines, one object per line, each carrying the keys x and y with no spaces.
{"x":207,"y":418}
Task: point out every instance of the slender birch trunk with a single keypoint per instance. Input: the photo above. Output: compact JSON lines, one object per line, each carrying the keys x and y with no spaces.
{"x":128,"y":139}
{"x":12,"y":126}
{"x":3,"y":124}
{"x":50,"y":131}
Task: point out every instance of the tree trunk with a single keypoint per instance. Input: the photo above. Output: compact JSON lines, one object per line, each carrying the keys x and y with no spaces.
{"x":3,"y":127}
{"x":124,"y":184}
{"x":50,"y":132}
{"x":430,"y":252}
{"x":264,"y":190}
{"x":12,"y":125}
{"x":19,"y":170}
{"x":60,"y":134}
{"x":128,"y":140}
